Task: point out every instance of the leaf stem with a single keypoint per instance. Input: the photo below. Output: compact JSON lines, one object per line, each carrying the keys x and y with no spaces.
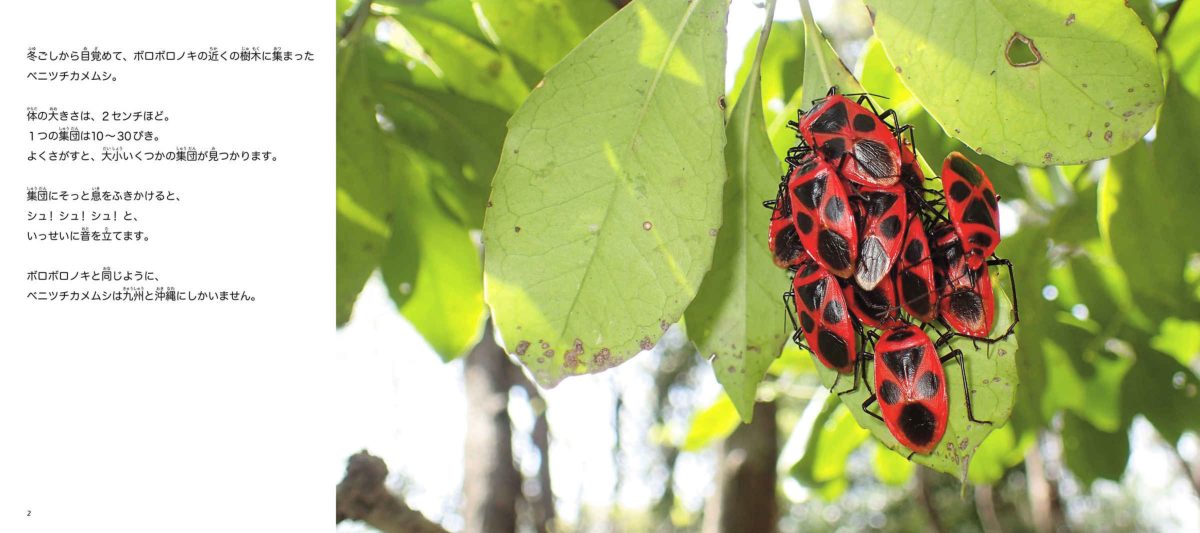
{"x":354,"y":20}
{"x":756,"y":67}
{"x":812,"y":41}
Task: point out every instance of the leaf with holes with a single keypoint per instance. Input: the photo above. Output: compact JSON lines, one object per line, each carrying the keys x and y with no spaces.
{"x":1039,"y":82}
{"x":606,"y":203}
{"x":728,"y":319}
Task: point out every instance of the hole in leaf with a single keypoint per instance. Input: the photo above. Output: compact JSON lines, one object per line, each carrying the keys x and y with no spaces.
{"x":1021,"y":52}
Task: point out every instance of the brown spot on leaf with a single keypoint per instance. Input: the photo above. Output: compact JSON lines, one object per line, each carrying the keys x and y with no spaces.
{"x":732,"y":369}
{"x":489,"y":203}
{"x":1070,"y":20}
{"x":516,"y":229}
{"x":1021,"y":51}
{"x":602,"y":359}
{"x":647,"y":225}
{"x":712,"y":232}
{"x":544,"y":344}
{"x":522,"y":347}
{"x":646,"y":343}
{"x":1108,"y":136}
{"x":571,"y":357}
{"x":899,"y":70}
{"x":721,"y":102}
{"x":549,"y":354}
{"x":1088,"y":134}
{"x":663,"y":324}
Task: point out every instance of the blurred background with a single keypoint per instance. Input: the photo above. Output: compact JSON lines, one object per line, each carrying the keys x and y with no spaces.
{"x":1104,"y":433}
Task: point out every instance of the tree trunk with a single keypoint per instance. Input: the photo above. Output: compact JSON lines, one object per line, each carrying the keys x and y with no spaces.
{"x":745,"y":499}
{"x":362,"y":496}
{"x":491,"y":484}
{"x":925,"y":497}
{"x":1045,"y":502}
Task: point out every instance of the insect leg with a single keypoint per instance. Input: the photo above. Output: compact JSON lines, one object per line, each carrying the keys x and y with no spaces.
{"x":962,"y":369}
{"x":866,"y":403}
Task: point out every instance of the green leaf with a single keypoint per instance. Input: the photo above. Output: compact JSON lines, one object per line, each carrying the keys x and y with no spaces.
{"x":782,"y":72}
{"x":992,"y":374}
{"x":1092,"y":454}
{"x":1000,"y":451}
{"x":1164,"y":391}
{"x":468,"y":66}
{"x":366,"y":188}
{"x":389,"y":213}
{"x":879,"y":77}
{"x":1180,"y":338}
{"x":714,"y":423}
{"x":1039,"y":82}
{"x":891,"y":468}
{"x":726,"y":318}
{"x":832,"y":436}
{"x":541,"y":32}
{"x":1184,"y":48}
{"x":1135,"y":204}
{"x":606,"y":201}
{"x":457,"y":14}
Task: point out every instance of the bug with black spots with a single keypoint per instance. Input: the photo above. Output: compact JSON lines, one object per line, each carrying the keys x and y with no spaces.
{"x":825,"y":321}
{"x":822,"y":214}
{"x":864,"y":147}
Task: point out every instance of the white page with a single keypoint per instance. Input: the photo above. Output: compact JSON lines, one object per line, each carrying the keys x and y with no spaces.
{"x":186,"y":415}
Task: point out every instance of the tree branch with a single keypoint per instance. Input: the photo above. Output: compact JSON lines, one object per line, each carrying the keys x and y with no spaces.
{"x":362,"y":496}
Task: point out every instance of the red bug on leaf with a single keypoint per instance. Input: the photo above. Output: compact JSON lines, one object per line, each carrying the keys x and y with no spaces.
{"x":876,"y":307}
{"x":910,"y":386}
{"x":966,"y":301}
{"x":885,"y":213}
{"x":972,"y":204}
{"x":784,"y":242}
{"x":824,"y":318}
{"x":822,"y":214}
{"x":914,"y":274}
{"x":855,"y":139}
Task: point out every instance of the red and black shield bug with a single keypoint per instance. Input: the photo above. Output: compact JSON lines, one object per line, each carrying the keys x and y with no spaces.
{"x":885,"y":215}
{"x":971,"y":200}
{"x":910,"y":385}
{"x":914,"y":274}
{"x":966,"y":301}
{"x":783,"y":240}
{"x":821,"y":211}
{"x":824,"y":318}
{"x":854,"y":138}
{"x":876,"y":307}
{"x":911,"y":175}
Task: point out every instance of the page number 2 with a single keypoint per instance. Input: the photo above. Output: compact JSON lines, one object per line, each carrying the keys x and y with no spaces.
{"x":29,"y":512}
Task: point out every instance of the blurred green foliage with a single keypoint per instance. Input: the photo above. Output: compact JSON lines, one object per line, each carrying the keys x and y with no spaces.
{"x":1106,"y":254}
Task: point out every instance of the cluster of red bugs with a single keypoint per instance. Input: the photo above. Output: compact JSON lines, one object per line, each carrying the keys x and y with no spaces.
{"x":877,"y":259}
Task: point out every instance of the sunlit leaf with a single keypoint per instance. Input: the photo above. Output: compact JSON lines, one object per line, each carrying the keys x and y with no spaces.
{"x":832,"y":436}
{"x":782,"y":72}
{"x":606,"y":204}
{"x":1038,"y":82}
{"x":726,"y":318}
{"x":541,"y":32}
{"x":1000,"y":451}
{"x":890,"y":467}
{"x":711,"y":424}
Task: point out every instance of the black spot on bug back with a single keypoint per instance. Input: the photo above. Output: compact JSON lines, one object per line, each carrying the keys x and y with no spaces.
{"x":833,"y":348}
{"x":813,"y":294}
{"x":967,"y":306}
{"x":808,"y":268}
{"x":915,"y":251}
{"x":873,"y":157}
{"x":910,"y":176}
{"x":927,"y":385}
{"x":864,"y":122}
{"x":806,"y":322}
{"x":959,"y":191}
{"x":989,"y":197}
{"x":878,"y":203}
{"x":835,"y":209}
{"x":918,"y":423}
{"x":889,"y":392}
{"x":981,"y":239}
{"x":810,"y":192}
{"x":833,"y":249}
{"x":874,"y":303}
{"x":787,"y":244}
{"x":916,"y":292}
{"x":890,"y":227}
{"x":900,"y":334}
{"x":978,"y":212}
{"x":834,"y":311}
{"x":904,"y":363}
{"x":963,"y":167}
{"x":834,"y":148}
{"x":804,"y":222}
{"x":806,"y":166}
{"x":831,"y":120}
{"x":873,"y":262}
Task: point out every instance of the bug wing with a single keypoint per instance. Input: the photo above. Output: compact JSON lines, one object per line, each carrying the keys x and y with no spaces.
{"x":822,"y":215}
{"x":973,"y":208}
{"x":885,"y":217}
{"x":824,"y":318}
